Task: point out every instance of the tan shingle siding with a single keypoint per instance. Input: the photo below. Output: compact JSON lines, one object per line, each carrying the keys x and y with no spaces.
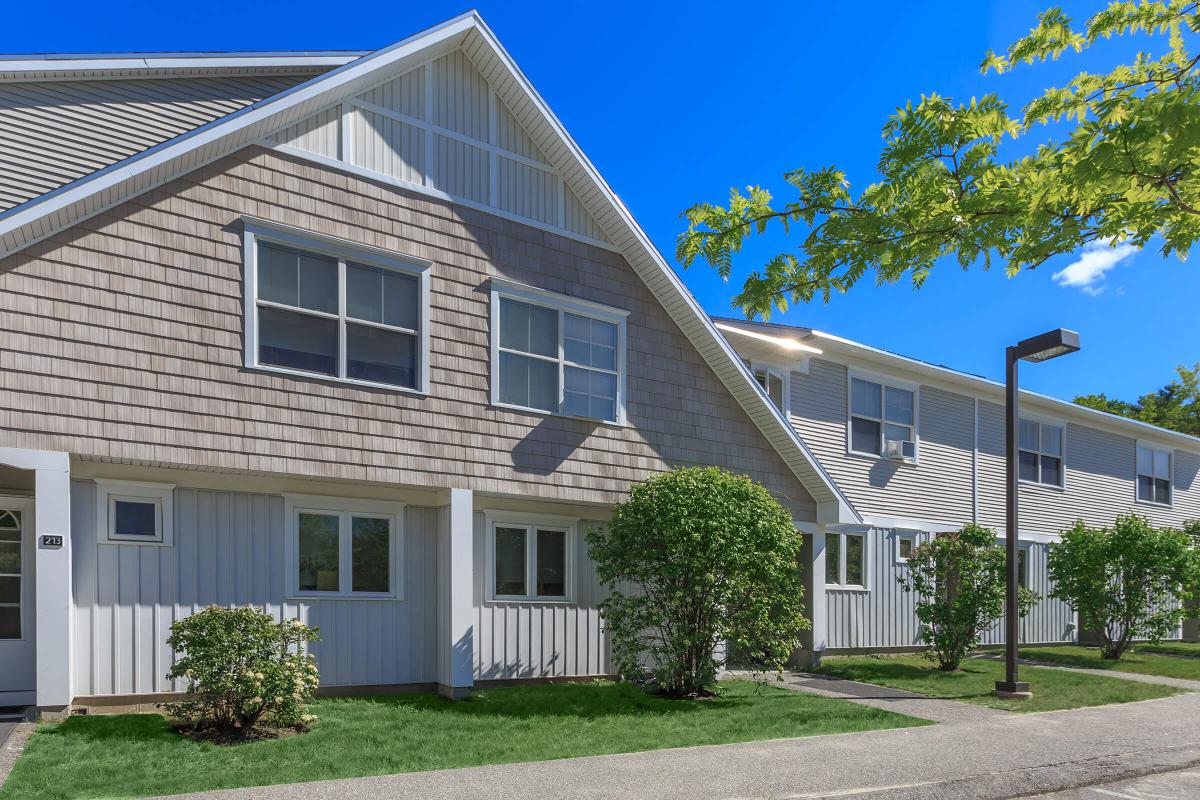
{"x":125,"y":343}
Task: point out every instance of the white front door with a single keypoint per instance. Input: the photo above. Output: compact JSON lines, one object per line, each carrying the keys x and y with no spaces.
{"x":17,"y":655}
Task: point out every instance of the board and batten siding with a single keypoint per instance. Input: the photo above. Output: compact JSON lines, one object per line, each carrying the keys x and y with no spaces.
{"x":229,"y":550}
{"x":124,"y":342}
{"x":1051,"y":620}
{"x":883,"y":615}
{"x":441,"y":126}
{"x":533,"y":639}
{"x":937,"y":489}
{"x":1100,"y":481}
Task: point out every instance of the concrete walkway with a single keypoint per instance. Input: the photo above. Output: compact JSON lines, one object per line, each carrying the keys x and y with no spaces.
{"x":899,"y":701}
{"x":990,"y":757}
{"x":1137,"y":677}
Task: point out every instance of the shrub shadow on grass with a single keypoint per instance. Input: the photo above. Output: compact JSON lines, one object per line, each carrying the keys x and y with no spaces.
{"x":581,"y":700}
{"x":113,"y":728}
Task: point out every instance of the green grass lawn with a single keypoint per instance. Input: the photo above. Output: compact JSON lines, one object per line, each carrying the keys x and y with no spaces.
{"x":1187,"y":649}
{"x":1139,"y":659}
{"x":1052,"y":689}
{"x":139,"y":754}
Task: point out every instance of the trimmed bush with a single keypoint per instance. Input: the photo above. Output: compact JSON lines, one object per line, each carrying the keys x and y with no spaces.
{"x":1127,"y":582}
{"x":243,"y":670}
{"x":959,"y":581}
{"x":695,"y":558}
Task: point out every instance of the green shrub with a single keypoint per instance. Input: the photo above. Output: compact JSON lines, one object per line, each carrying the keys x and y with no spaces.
{"x":959,"y":579}
{"x":1126,"y":582}
{"x":695,"y":558}
{"x":243,"y":669}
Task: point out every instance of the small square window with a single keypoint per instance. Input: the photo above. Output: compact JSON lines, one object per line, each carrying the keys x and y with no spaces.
{"x":130,"y":512}
{"x":905,"y":544}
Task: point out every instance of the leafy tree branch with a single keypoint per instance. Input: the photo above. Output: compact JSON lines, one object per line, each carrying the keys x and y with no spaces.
{"x":1126,"y":172}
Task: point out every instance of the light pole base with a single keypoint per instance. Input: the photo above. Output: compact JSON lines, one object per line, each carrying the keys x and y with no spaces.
{"x":1018,"y":690}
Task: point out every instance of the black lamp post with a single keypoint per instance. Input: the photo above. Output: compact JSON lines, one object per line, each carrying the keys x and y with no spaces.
{"x":1042,"y":347}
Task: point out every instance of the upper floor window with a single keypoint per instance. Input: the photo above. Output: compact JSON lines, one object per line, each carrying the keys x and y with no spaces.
{"x":1153,"y":475}
{"x":1040,"y":456}
{"x":557,"y":354}
{"x":882,"y":420}
{"x":321,"y":307}
{"x":774,"y":382}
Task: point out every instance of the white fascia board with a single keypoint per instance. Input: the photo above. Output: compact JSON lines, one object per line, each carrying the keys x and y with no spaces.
{"x":988,"y":389}
{"x":14,"y":66}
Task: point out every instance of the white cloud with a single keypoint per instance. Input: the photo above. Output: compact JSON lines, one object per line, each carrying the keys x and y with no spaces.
{"x":1087,"y":272}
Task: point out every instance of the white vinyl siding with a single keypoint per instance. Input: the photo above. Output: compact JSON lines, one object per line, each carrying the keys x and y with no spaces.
{"x":230,"y":551}
{"x":524,"y":638}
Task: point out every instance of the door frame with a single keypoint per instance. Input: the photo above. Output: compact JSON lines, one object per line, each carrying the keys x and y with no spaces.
{"x":26,"y":505}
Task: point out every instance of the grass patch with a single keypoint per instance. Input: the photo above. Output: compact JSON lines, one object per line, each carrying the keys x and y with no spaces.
{"x":1052,"y":689}
{"x":1185,"y":649}
{"x":138,"y":754}
{"x":1138,"y":659}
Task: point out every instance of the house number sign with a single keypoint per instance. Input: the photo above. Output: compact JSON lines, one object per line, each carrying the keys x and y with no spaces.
{"x":51,"y":541}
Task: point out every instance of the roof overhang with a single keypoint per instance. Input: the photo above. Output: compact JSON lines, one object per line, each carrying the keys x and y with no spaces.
{"x":108,"y":66}
{"x":55,"y":211}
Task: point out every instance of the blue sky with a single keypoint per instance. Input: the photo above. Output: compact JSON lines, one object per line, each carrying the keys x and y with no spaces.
{"x":677,"y":102}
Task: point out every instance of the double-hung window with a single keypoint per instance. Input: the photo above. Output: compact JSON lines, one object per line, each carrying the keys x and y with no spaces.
{"x":529,"y":560}
{"x":1040,"y":455}
{"x":882,"y":419}
{"x":1153,"y":475}
{"x":343,"y":548}
{"x":846,"y":559}
{"x":322,"y":307}
{"x":557,"y":354}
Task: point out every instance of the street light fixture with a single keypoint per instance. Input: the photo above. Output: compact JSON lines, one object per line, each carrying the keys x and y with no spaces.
{"x":1042,"y":347}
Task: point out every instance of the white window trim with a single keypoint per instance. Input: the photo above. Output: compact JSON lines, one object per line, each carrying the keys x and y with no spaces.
{"x":1140,"y":443}
{"x":784,"y":373}
{"x":841,"y":585}
{"x":885,"y":381}
{"x":295,"y":504}
{"x":562,"y":304}
{"x":1062,"y":426}
{"x":899,"y":534}
{"x":160,"y":494}
{"x":531,"y":522}
{"x":257,"y":230}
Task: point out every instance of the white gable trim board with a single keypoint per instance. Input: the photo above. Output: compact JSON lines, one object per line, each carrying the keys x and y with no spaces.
{"x":89,"y":196}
